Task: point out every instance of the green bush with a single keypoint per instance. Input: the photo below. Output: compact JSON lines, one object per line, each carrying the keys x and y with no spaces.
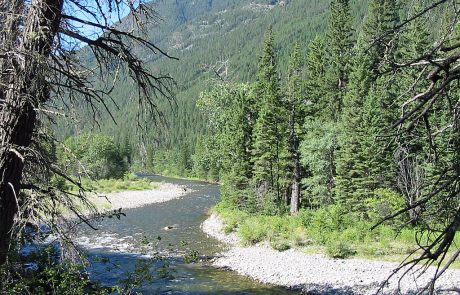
{"x":280,"y":244}
{"x":339,"y":249}
{"x":305,"y":217}
{"x":384,"y":202}
{"x":254,"y":230}
{"x":342,"y":233}
{"x":352,"y":234}
{"x":60,"y":183}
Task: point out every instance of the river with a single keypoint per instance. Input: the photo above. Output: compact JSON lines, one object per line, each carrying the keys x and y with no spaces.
{"x":116,"y":247}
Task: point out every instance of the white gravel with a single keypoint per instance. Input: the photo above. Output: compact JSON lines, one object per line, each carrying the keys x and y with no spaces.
{"x":315,"y":273}
{"x":133,"y":199}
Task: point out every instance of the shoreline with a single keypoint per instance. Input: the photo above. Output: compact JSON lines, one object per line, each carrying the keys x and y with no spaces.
{"x":315,"y":273}
{"x":180,"y":177}
{"x":139,"y":198}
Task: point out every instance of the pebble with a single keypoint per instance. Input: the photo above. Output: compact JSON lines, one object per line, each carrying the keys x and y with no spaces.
{"x":315,"y":273}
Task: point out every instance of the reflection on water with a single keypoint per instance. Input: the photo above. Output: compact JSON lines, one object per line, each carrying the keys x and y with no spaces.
{"x":117,"y":245}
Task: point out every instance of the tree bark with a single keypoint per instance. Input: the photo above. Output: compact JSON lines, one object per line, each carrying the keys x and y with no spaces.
{"x":295,"y":192}
{"x":26,"y":80}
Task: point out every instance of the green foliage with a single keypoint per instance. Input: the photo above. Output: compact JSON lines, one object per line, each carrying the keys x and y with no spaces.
{"x":191,"y":256}
{"x":222,"y":36}
{"x":339,"y":249}
{"x":339,"y":40}
{"x":341,"y":233}
{"x":114,"y":185}
{"x":384,"y":203}
{"x":270,"y":141}
{"x":280,"y":244}
{"x":49,"y":277}
{"x":332,"y":230}
{"x":92,"y":155}
{"x":331,"y":113}
{"x":318,"y":151}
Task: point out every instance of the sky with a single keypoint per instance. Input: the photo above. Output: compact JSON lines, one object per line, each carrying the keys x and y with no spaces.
{"x":94,"y":14}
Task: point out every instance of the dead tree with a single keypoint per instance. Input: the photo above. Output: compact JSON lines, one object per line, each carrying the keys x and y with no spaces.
{"x":40,"y":45}
{"x":410,"y":179}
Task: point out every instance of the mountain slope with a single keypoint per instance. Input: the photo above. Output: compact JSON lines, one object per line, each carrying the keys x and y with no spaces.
{"x":209,"y":37}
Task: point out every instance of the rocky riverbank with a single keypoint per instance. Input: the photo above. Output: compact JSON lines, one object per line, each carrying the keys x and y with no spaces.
{"x":316,"y":273}
{"x":133,"y":199}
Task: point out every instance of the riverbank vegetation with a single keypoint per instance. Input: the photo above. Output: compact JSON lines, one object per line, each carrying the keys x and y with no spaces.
{"x":129,"y":183}
{"x":355,"y":125}
{"x":361,"y":130}
{"x":99,"y":163}
{"x":330,"y":231}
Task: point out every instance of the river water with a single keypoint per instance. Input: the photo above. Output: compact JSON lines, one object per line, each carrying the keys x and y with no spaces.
{"x":116,"y":247}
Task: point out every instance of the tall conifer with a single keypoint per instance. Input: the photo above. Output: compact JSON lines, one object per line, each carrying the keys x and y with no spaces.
{"x":369,"y":105}
{"x":296,"y":119}
{"x":270,"y":130}
{"x":339,"y":47}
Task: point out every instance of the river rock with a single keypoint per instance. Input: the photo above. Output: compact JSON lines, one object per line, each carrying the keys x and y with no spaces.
{"x":317,"y":274}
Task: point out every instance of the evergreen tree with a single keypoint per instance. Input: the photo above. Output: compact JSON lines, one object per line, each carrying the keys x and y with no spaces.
{"x":339,"y":48}
{"x":318,"y":142}
{"x":237,"y":142}
{"x":352,"y":169}
{"x":334,"y":60}
{"x":412,"y":148}
{"x":230,"y":112}
{"x":270,"y":130}
{"x":369,"y":108}
{"x":315,"y":69}
{"x":378,"y":34}
{"x":296,"y":119}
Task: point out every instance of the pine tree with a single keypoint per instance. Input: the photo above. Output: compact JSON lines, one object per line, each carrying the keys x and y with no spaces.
{"x":325,"y":92}
{"x":412,"y":148}
{"x":315,"y":69}
{"x":318,"y":144}
{"x":339,"y":48}
{"x":237,"y":143}
{"x":230,"y":111}
{"x":378,"y":34}
{"x":270,"y":131}
{"x":296,"y":119}
{"x":369,"y":108}
{"x":351,"y":160}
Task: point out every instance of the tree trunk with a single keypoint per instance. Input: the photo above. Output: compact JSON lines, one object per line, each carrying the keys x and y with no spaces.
{"x":25,"y":76}
{"x":295,"y":192}
{"x":21,"y":117}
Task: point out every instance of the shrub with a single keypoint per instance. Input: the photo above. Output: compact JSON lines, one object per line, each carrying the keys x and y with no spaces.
{"x":339,"y":249}
{"x":280,"y":244}
{"x":352,"y":234}
{"x":384,"y":202}
{"x":254,"y":230}
{"x":305,"y":217}
{"x":60,"y":183}
{"x":95,"y":154}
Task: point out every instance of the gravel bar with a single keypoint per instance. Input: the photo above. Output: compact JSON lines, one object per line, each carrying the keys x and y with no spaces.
{"x":133,"y":199}
{"x":317,"y":274}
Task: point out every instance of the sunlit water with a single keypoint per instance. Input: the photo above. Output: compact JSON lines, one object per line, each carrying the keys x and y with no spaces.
{"x":117,"y":245}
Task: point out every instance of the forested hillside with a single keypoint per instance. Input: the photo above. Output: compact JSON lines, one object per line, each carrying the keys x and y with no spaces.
{"x":357,"y":128}
{"x":304,"y":106}
{"x":213,"y":40}
{"x":332,"y":127}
